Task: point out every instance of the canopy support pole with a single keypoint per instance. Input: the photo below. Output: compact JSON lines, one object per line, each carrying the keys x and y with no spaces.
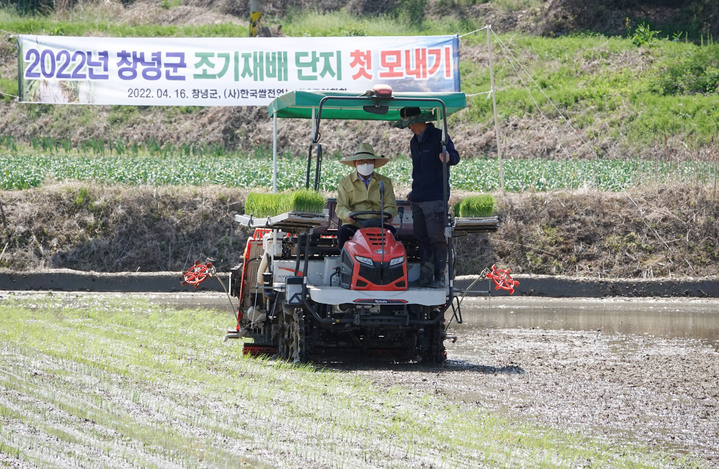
{"x":274,"y":153}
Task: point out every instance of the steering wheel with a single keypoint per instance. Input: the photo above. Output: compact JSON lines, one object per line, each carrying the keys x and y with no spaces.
{"x":354,"y":215}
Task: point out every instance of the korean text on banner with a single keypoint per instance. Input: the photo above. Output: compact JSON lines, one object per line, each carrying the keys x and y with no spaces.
{"x":227,"y":71}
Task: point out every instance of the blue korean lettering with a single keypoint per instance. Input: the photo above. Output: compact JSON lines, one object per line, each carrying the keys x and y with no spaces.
{"x":126,"y":66}
{"x":174,"y":62}
{"x":98,"y":69}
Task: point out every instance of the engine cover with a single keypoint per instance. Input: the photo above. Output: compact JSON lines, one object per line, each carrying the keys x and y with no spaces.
{"x":373,"y":260}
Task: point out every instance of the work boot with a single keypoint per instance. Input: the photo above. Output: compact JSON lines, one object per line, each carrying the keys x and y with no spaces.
{"x":426,"y":273}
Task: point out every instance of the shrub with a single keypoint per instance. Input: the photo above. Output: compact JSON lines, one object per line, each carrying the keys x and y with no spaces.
{"x":694,"y":72}
{"x":643,"y":34}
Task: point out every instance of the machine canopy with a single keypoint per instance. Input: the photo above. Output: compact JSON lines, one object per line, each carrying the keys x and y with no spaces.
{"x":300,"y":104}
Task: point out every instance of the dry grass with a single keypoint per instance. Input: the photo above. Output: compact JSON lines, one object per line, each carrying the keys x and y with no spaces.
{"x":655,"y":232}
{"x":115,"y":229}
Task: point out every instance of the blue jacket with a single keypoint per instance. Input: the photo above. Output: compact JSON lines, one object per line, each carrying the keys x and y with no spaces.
{"x":427,"y":167}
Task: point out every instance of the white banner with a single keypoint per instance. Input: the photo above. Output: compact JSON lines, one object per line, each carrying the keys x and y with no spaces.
{"x":226,"y":71}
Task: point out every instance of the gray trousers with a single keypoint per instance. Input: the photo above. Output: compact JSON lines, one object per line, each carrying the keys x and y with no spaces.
{"x":428,"y":220}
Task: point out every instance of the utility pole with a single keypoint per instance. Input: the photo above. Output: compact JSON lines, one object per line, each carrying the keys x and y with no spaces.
{"x":255,"y":16}
{"x":494,"y":107}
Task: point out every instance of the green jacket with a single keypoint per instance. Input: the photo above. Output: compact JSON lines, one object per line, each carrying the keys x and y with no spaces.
{"x":353,"y":196}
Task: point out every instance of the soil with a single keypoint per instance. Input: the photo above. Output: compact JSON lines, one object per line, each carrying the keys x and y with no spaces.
{"x":659,"y":392}
{"x":657,"y":389}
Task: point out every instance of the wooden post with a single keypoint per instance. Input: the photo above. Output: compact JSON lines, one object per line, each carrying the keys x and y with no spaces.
{"x":255,"y":17}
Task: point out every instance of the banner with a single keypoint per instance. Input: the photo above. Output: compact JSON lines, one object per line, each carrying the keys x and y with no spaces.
{"x":227,"y":71}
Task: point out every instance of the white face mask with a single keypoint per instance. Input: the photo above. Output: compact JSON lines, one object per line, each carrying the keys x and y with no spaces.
{"x":365,"y":169}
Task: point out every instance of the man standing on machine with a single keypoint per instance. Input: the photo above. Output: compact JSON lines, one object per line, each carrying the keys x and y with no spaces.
{"x":430,"y":193}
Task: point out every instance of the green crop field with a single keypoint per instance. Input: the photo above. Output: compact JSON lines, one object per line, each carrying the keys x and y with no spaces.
{"x":23,"y":171}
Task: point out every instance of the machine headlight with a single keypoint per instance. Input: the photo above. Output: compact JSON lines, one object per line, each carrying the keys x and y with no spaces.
{"x":365,"y":260}
{"x":396,"y":261}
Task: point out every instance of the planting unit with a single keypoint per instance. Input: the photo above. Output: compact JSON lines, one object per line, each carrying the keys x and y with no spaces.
{"x":300,"y":295}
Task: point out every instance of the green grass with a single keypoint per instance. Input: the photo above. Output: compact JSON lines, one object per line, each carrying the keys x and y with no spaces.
{"x":94,"y":22}
{"x":341,"y":23}
{"x":642,"y":95}
{"x":97,"y":381}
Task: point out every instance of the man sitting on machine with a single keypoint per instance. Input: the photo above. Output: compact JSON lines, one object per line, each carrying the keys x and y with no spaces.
{"x":359,"y":191}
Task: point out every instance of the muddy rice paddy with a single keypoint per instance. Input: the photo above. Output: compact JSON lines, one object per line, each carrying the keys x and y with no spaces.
{"x":632,"y":370}
{"x":623,"y":370}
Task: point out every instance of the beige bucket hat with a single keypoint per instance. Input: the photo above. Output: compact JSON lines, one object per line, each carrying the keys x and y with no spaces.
{"x":364,"y":151}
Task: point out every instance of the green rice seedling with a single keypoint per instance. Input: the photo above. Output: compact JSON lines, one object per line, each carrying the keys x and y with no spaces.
{"x":95,"y":146}
{"x":153,"y":147}
{"x":8,"y":142}
{"x":64,"y":143}
{"x":119,"y":147}
{"x":261,"y":204}
{"x":186,"y":150}
{"x":302,"y":201}
{"x":475,"y":206}
{"x":266,"y":205}
{"x":47,"y":143}
{"x":168,"y":149}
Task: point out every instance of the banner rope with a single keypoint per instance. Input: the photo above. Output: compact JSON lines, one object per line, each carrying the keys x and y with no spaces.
{"x":471,"y":95}
{"x":475,"y":31}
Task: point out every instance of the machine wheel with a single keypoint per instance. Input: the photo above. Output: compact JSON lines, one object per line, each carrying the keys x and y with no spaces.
{"x":291,"y":342}
{"x":433,"y":350}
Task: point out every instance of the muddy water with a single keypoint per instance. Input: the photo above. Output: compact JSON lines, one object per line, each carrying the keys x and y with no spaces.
{"x":681,"y":318}
{"x":662,"y":318}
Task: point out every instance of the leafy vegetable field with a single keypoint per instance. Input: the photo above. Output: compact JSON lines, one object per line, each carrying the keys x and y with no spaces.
{"x":22,"y":171}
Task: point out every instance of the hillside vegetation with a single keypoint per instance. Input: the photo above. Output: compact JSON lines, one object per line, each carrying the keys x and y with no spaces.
{"x":632,"y":86}
{"x":642,"y":91}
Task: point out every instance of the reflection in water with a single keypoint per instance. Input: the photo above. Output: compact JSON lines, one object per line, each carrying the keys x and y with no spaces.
{"x":671,"y":318}
{"x":687,"y":318}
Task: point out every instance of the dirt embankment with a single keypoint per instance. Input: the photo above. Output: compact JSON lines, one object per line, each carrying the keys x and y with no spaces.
{"x":652,"y":233}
